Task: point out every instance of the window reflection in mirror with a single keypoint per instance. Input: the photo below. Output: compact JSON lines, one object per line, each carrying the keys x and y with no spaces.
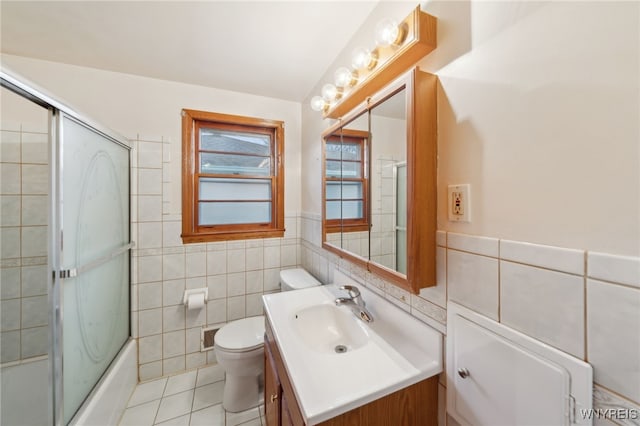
{"x":346,"y":187}
{"x":388,"y":183}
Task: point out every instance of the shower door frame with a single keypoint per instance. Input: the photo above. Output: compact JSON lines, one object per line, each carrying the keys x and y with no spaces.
{"x":56,"y":276}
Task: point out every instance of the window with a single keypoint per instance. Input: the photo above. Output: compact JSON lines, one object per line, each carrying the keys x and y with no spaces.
{"x":345,"y":182}
{"x":232,"y":177}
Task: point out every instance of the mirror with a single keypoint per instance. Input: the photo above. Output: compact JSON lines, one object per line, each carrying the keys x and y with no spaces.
{"x":380,"y":183}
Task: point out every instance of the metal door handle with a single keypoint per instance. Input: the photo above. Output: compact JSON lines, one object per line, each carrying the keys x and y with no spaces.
{"x":463,"y":372}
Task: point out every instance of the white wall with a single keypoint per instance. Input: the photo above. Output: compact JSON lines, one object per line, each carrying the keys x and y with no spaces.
{"x":539,"y":110}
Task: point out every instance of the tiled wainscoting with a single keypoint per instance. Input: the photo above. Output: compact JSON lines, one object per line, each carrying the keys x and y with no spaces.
{"x":236,"y":273}
{"x":584,"y":303}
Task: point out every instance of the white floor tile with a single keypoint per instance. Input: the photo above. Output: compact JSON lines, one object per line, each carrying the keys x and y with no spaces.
{"x":207,"y":375}
{"x":181,"y":382}
{"x":148,"y":391}
{"x":178,"y":421}
{"x":235,"y":419}
{"x":175,"y":406}
{"x":140,"y":415}
{"x":211,"y":416}
{"x":208,"y":395}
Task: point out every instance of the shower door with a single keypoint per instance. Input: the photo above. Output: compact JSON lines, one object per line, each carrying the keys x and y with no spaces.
{"x":91,"y":214}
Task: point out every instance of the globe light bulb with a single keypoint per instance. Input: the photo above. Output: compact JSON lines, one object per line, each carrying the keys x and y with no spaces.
{"x":344,"y":77}
{"x":318,"y":104}
{"x":387,"y":32}
{"x":363,"y":58}
{"x":329,"y":92}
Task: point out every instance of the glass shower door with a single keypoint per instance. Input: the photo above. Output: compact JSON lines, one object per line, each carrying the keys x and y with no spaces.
{"x":93,"y":203}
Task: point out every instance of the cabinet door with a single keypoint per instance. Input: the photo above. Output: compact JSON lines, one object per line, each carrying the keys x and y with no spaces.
{"x":272,"y":389}
{"x":286,"y":418}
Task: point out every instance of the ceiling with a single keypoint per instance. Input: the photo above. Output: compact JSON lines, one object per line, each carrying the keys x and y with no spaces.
{"x":278,"y":49}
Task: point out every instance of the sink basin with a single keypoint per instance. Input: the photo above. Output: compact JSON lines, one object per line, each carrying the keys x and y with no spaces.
{"x":329,"y":329}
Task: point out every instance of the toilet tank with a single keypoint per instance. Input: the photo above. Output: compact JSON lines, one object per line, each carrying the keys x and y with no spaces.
{"x":296,"y":279}
{"x":497,"y":376}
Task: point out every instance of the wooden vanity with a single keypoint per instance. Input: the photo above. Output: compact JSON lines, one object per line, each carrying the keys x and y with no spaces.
{"x":415,"y":405}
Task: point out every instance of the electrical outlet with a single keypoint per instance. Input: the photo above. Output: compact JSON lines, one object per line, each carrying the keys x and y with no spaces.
{"x":459,"y":202}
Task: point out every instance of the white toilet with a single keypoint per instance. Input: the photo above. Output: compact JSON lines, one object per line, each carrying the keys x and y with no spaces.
{"x":239,"y":347}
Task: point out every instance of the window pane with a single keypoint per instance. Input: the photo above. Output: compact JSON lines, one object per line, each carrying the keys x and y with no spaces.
{"x":235,"y":164}
{"x":345,"y":151}
{"x":235,"y":189}
{"x":234,"y":213}
{"x":352,"y":210}
{"x":333,"y":210}
{"x":239,"y":142}
{"x":349,"y":169}
{"x":349,"y":190}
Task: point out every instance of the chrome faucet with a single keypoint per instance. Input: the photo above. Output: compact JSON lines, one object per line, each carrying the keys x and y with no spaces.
{"x":355,"y":302}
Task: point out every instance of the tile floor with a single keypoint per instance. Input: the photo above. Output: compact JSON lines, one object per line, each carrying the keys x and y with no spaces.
{"x":193,"y":398}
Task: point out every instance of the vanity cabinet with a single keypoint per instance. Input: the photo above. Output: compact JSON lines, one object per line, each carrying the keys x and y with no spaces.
{"x":415,"y":405}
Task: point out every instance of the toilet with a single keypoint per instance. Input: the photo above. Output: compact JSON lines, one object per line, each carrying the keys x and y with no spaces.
{"x":239,"y":347}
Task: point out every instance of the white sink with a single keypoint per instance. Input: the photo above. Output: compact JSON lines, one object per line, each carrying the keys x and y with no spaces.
{"x":329,"y":329}
{"x":394,"y":351}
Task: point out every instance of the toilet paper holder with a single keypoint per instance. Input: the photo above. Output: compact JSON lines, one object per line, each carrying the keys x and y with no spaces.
{"x":195,"y":291}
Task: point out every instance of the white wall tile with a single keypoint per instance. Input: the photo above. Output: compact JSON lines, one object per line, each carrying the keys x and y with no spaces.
{"x":173,"y":344}
{"x":10,"y":315}
{"x":9,"y":178}
{"x":149,"y":235}
{"x":35,"y":311}
{"x":150,"y":371}
{"x":149,"y":295}
{"x":196,"y":264}
{"x":254,"y":305}
{"x":173,"y":318}
{"x":149,"y":208}
{"x":441,"y":238}
{"x":34,"y":210}
{"x":149,"y":322}
{"x":35,"y":179}
{"x":34,"y":341}
{"x":171,"y":233}
{"x":10,"y":242}
{"x":543,"y":304}
{"x":34,"y":280}
{"x":10,"y":346}
{"x":560,"y":259}
{"x":193,"y":339}
{"x":272,"y":257}
{"x":216,"y":262}
{"x":235,"y":308}
{"x":613,"y":337}
{"x":288,"y":256}
{"x":473,"y":282}
{"x":195,"y":317}
{"x":34,"y":241}
{"x":473,"y":244}
{"x":254,"y":258}
{"x":173,"y":266}
{"x":10,"y":146}
{"x":217,"y":285}
{"x":271,"y":279}
{"x":10,"y":280}
{"x":617,"y":269}
{"x":236,"y":260}
{"x":149,"y":269}
{"x":236,"y":284}
{"x":150,"y":154}
{"x":254,"y":282}
{"x":216,"y":311}
{"x":150,"y":349}
{"x":35,"y":148}
{"x":173,"y":365}
{"x":150,"y":181}
{"x":10,"y":210}
{"x":172,"y":292}
{"x":605,"y":399}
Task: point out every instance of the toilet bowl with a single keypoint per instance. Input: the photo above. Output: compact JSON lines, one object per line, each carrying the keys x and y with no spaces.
{"x":239,"y":347}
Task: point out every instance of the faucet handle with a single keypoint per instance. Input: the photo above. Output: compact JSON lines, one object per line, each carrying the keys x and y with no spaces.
{"x":352,"y":290}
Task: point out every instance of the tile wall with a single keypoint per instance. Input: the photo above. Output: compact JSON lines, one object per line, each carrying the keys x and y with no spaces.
{"x":236,"y":273}
{"x":584,"y":303}
{"x":24,"y":184}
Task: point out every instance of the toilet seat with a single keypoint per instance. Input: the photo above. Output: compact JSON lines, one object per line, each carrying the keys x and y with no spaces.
{"x":242,"y":335}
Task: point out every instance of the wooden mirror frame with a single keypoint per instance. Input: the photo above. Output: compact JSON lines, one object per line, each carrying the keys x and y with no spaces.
{"x":420,"y":97}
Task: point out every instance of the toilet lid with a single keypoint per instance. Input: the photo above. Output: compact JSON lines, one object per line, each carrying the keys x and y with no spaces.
{"x":243,"y":334}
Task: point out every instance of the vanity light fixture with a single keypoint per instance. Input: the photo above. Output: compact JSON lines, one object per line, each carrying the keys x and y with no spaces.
{"x":399,"y":46}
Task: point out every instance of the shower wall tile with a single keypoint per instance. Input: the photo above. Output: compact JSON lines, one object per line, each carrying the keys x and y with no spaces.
{"x":149,"y":208}
{"x":150,"y":181}
{"x":34,"y":341}
{"x":35,"y":179}
{"x":9,"y":178}
{"x":10,"y":146}
{"x":10,"y":242}
{"x":35,"y":148}
{"x":34,"y":210}
{"x":10,"y":210}
{"x":149,"y":295}
{"x":34,"y":241}
{"x":150,"y":322}
{"x":34,"y":280}
{"x":149,"y":154}
{"x":10,"y":279}
{"x":10,"y":314}
{"x":35,"y":311}
{"x":149,"y":235}
{"x":150,"y":349}
{"x":9,"y":346}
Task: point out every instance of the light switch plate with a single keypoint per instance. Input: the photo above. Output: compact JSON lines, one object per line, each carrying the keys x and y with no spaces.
{"x":459,"y":202}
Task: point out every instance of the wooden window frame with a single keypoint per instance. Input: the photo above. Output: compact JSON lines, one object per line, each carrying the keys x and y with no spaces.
{"x":192,"y":232}
{"x":347,"y":225}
